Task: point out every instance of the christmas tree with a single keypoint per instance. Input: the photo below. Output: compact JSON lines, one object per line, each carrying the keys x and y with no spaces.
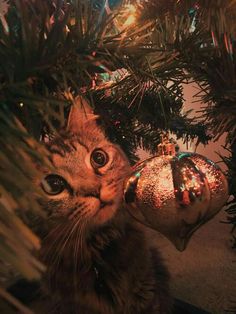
{"x":130,"y":59}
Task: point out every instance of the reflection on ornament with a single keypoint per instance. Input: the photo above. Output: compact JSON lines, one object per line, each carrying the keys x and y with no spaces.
{"x":175,"y":195}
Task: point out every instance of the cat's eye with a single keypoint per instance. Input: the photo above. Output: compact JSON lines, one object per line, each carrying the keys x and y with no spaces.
{"x":53,"y":184}
{"x":98,"y":158}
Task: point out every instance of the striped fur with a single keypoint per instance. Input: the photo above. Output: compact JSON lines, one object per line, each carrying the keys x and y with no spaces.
{"x":98,"y":259}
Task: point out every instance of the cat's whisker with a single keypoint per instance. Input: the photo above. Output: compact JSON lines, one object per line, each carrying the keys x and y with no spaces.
{"x":63,"y":235}
{"x":79,"y":239}
{"x":70,"y":224}
{"x":75,"y":226}
{"x":78,"y":210}
{"x":53,"y":249}
{"x":55,"y":231}
{"x":58,"y":252}
{"x":78,"y":248}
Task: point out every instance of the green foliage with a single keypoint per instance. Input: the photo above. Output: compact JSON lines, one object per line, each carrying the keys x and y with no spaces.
{"x":52,"y":50}
{"x":19,"y":155}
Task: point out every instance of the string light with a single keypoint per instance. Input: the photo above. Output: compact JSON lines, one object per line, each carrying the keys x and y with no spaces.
{"x":130,"y":10}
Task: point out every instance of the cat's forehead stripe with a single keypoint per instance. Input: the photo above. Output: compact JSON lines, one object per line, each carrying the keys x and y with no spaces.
{"x":56,"y":150}
{"x":78,"y":140}
{"x":66,"y":147}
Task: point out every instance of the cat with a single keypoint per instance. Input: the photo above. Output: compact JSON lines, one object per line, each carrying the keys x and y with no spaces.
{"x":98,"y":259}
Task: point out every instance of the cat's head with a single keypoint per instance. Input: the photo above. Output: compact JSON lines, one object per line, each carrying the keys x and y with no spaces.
{"x":89,"y":171}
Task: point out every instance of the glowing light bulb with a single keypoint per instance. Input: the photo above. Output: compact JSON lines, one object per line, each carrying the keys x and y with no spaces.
{"x":130,"y":11}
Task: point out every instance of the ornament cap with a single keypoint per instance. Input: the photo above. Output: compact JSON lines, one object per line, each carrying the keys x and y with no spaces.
{"x":167,"y":146}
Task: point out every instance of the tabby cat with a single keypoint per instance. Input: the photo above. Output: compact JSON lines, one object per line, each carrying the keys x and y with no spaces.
{"x":98,"y":260}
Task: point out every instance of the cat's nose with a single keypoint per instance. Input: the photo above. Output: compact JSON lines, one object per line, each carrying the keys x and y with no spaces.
{"x":103,"y":204}
{"x":90,"y":190}
{"x":95,"y":194}
{"x":92,"y":193}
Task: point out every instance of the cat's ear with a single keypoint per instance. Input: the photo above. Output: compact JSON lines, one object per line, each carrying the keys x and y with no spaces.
{"x":80,"y":114}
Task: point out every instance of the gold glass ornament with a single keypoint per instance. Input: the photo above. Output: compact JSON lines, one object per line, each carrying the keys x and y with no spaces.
{"x":175,"y":195}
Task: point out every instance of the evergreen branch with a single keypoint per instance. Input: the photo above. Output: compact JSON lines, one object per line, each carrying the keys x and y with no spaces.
{"x":17,"y":241}
{"x":73,"y":42}
{"x":18,"y":305}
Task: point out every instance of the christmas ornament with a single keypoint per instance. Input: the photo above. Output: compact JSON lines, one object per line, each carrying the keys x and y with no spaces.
{"x":175,"y":195}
